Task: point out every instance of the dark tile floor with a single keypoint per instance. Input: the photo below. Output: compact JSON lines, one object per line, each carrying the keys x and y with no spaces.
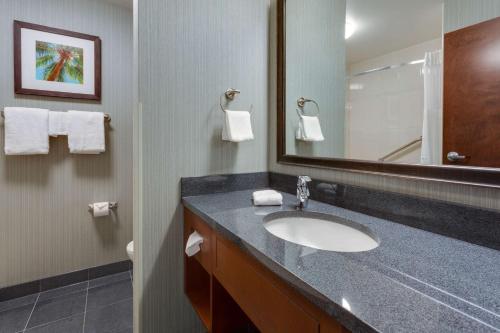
{"x":94,"y":306}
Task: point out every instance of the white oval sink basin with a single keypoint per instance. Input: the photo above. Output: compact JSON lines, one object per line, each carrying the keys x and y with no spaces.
{"x":321,"y":231}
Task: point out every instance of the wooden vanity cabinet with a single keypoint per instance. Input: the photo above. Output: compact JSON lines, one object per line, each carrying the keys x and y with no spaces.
{"x":233,"y":292}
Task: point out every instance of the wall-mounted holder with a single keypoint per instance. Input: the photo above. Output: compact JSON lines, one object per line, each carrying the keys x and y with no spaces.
{"x":230,"y":94}
{"x":112,"y":205}
{"x":301,"y":103}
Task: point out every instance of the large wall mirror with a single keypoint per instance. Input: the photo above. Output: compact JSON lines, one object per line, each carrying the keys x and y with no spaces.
{"x":404,"y":87}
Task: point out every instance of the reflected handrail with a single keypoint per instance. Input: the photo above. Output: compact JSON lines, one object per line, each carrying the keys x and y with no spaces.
{"x":394,"y":152}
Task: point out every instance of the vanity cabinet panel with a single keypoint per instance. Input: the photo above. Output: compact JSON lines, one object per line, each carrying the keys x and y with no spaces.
{"x":195,"y":223}
{"x":269,"y":308}
{"x":233,"y":292}
{"x":198,"y":269}
{"x":198,"y":286}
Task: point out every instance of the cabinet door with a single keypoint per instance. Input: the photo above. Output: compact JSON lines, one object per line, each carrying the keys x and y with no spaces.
{"x":264,"y":303}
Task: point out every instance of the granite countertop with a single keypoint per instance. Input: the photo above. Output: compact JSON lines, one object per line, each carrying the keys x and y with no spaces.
{"x":415,"y":281}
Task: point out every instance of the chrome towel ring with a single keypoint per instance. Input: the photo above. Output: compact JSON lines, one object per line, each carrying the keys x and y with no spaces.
{"x":230,"y":94}
{"x":301,"y":103}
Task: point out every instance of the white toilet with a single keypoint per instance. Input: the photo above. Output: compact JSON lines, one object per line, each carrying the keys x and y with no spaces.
{"x":130,"y":250}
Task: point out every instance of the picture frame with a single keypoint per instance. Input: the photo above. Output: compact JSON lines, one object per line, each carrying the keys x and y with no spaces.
{"x":56,"y":63}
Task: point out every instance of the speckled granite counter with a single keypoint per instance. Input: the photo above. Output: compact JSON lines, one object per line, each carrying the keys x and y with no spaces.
{"x":415,"y":281}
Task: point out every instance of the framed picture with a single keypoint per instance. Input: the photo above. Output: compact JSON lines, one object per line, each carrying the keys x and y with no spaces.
{"x":55,"y":62}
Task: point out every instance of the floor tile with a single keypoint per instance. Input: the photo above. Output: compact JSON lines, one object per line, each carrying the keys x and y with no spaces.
{"x":57,"y":308}
{"x":53,"y":293}
{"x":73,"y":324}
{"x":17,"y":302}
{"x":14,"y":319}
{"x":112,"y":318}
{"x":109,"y":279}
{"x":108,"y":294}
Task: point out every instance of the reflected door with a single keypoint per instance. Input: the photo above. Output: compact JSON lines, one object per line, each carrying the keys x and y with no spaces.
{"x":472,"y":95}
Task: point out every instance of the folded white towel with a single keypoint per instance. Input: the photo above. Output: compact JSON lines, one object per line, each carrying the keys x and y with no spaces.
{"x":58,"y":123}
{"x":237,"y":126}
{"x":267,"y":198}
{"x":309,"y":129}
{"x":26,"y":131}
{"x":86,"y":132}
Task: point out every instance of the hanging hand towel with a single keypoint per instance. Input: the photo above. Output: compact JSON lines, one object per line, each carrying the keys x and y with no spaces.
{"x":86,"y":132}
{"x":26,"y":131}
{"x":309,"y":129}
{"x":237,"y":126}
{"x":58,"y":123}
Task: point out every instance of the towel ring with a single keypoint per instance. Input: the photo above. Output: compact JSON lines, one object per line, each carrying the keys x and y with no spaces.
{"x":230,"y":94}
{"x":301,"y":103}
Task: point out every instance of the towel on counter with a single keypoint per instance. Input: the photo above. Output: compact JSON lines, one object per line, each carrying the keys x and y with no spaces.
{"x":26,"y":131}
{"x":58,"y":123}
{"x":267,"y":198}
{"x":86,"y":132}
{"x":237,"y":126}
{"x":309,"y":129}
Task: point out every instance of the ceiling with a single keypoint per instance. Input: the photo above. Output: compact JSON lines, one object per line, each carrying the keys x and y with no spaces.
{"x":384,"y":26}
{"x":125,"y":3}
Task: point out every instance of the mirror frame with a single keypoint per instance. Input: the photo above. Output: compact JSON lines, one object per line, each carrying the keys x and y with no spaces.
{"x":478,"y":176}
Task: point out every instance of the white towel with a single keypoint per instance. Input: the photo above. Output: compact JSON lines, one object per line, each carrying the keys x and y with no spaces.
{"x":86,"y":132}
{"x":267,"y":198}
{"x":237,"y":126}
{"x":309,"y":129}
{"x":58,"y":123}
{"x":26,"y":131}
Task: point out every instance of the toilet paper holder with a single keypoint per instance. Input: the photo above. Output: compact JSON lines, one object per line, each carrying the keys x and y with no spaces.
{"x":112,"y":205}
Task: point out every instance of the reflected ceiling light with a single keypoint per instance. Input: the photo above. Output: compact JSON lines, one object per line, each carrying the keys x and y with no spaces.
{"x":350,"y":28}
{"x":346,"y":304}
{"x":416,"y":62}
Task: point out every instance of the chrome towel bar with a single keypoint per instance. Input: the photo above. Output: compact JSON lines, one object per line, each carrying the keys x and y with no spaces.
{"x":107,"y":117}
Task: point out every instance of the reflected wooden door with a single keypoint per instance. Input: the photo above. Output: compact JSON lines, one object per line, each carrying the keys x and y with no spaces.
{"x":472,"y":95}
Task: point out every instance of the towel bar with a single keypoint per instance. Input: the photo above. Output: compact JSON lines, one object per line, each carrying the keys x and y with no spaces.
{"x":107,"y":117}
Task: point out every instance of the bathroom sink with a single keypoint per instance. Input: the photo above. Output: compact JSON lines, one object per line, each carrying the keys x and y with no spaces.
{"x":321,"y":231}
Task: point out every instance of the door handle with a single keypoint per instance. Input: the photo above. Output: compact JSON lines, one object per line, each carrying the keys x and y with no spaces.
{"x":453,"y":156}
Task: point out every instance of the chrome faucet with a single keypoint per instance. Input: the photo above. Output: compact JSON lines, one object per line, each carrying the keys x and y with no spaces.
{"x":302,"y":192}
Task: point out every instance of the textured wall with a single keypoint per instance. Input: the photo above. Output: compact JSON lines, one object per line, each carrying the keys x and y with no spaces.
{"x":489,"y":198}
{"x":461,"y":13}
{"x":316,"y":57}
{"x":190,"y":52}
{"x":45,"y":228}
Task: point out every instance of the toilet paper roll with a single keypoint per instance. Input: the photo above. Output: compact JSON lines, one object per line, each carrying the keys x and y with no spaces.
{"x":193,"y":244}
{"x":100,"y":209}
